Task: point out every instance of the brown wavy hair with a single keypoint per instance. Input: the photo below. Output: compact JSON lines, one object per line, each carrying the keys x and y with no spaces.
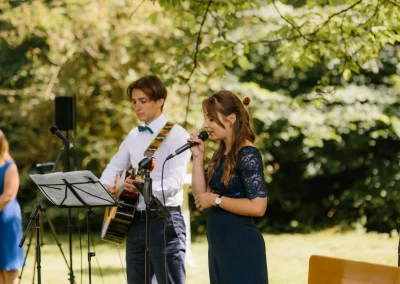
{"x":151,"y":85}
{"x":3,"y":146}
{"x":226,"y":103}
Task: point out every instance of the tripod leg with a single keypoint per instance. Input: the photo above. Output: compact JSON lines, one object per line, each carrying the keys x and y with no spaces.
{"x":38,"y":252}
{"x":34,"y":272}
{"x":26,"y":255}
{"x":98,"y":264}
{"x":90,"y":254}
{"x":71,"y":271}
{"x":41,"y":228}
{"x":53,"y":230}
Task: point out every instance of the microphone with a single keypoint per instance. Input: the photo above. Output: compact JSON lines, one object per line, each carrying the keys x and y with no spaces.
{"x":54,"y":130}
{"x":202,"y":135}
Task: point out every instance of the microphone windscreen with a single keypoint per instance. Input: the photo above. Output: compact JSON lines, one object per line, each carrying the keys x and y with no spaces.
{"x":203,"y":135}
{"x":53,"y":129}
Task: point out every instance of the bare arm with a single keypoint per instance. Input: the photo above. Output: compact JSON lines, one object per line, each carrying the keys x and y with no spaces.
{"x":11,"y":185}
{"x":198,"y":178}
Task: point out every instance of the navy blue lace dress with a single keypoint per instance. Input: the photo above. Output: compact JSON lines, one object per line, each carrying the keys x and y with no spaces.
{"x":236,"y":251}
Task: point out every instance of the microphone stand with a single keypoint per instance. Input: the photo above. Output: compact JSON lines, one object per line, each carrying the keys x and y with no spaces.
{"x":147,"y":194}
{"x":35,"y":216}
{"x":152,"y":204}
{"x":71,"y":272}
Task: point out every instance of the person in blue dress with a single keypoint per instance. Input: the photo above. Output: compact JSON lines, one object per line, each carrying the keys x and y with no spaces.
{"x":233,"y":186}
{"x":11,"y":255}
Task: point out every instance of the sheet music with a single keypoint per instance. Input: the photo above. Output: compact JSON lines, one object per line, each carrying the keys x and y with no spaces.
{"x":85,"y":184}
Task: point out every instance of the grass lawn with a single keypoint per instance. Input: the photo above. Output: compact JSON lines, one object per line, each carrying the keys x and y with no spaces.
{"x":287,"y":255}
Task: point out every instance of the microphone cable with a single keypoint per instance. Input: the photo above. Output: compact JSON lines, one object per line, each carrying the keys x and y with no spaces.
{"x":75,"y":166}
{"x":97,"y":260}
{"x":122,"y":264}
{"x":77,"y":212}
{"x":80,"y":242}
{"x":165,"y":225}
{"x":162,"y":181}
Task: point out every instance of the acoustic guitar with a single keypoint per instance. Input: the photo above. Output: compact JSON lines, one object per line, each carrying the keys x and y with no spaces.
{"x":117,"y":219}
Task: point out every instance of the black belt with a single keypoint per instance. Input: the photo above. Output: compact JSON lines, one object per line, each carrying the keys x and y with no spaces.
{"x":142,"y":214}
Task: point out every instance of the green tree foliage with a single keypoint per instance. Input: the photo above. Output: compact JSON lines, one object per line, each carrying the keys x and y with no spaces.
{"x":331,"y":161}
{"x":89,"y":49}
{"x":330,"y":144}
{"x":295,"y":50}
{"x":345,"y":35}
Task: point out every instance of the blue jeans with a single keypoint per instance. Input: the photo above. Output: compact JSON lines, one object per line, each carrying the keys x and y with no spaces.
{"x":175,"y":244}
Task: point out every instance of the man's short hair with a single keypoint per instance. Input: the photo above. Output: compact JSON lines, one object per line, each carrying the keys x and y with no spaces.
{"x":150,"y":85}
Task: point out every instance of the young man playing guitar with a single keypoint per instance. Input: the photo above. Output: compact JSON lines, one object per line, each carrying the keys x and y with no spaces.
{"x":148,"y":95}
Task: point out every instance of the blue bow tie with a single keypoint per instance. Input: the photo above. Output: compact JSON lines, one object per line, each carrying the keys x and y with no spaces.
{"x":144,"y":128}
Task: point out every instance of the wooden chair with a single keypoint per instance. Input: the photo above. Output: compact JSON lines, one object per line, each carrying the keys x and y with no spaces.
{"x":329,"y":270}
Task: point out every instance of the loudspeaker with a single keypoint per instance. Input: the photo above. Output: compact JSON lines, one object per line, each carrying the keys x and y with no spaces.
{"x":65,"y":112}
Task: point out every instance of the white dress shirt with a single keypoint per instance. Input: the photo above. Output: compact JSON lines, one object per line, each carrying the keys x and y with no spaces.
{"x":132,"y":151}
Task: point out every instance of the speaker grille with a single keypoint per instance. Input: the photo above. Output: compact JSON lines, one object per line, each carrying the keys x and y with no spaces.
{"x":65,"y":112}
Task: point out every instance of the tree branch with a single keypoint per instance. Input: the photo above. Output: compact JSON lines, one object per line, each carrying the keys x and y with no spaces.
{"x":137,"y":8}
{"x":373,"y":15}
{"x":345,"y":45}
{"x":393,"y":3}
{"x":334,"y":15}
{"x":187,"y":106}
{"x":306,"y":36}
{"x":199,"y":41}
{"x":22,"y":92}
{"x":275,"y":40}
{"x":289,"y":22}
{"x":195,"y":59}
{"x":52,"y":81}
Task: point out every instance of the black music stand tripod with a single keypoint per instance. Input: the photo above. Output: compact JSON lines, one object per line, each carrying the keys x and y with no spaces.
{"x":35,"y":216}
{"x":75,"y":190}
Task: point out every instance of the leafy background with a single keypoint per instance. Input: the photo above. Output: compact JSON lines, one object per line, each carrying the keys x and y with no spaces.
{"x":324,"y":78}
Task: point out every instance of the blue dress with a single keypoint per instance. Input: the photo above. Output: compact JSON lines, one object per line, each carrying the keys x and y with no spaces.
{"x":11,"y":255}
{"x":236,"y":248}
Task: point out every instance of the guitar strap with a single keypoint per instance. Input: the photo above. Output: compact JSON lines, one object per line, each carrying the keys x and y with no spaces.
{"x":158,"y":140}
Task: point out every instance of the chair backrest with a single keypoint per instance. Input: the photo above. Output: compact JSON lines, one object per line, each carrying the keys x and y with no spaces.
{"x":329,"y":270}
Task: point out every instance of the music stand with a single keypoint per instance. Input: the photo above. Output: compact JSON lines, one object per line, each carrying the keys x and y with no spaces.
{"x":75,"y":190}
{"x":37,"y":214}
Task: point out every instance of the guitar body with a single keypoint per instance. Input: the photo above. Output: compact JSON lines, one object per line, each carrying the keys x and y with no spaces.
{"x":117,"y":219}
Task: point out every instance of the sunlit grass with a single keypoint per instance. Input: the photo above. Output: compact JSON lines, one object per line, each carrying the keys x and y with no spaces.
{"x":288,"y":257}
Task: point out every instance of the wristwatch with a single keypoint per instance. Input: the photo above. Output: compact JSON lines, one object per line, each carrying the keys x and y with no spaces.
{"x":218,"y":200}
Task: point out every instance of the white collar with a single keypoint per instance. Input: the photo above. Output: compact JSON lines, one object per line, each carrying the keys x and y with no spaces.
{"x":157,"y":124}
